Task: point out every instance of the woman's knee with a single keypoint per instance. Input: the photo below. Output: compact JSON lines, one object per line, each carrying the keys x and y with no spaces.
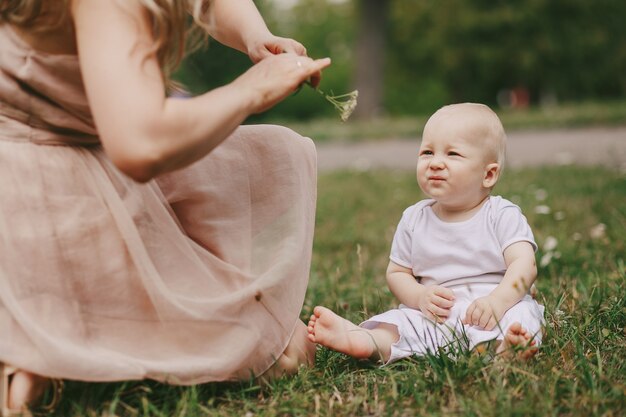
{"x":281,"y":139}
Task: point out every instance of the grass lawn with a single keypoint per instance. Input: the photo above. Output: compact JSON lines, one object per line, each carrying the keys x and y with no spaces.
{"x":579,"y":371}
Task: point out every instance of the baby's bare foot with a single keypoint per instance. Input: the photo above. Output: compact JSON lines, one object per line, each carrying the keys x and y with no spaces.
{"x":517,"y":341}
{"x":330,"y":330}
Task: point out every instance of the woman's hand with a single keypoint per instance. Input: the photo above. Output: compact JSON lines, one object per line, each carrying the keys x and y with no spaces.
{"x":261,"y":48}
{"x":435,"y":302}
{"x":274,"y":78}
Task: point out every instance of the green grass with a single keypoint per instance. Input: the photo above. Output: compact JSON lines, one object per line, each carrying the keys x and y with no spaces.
{"x":565,"y":115}
{"x":579,"y":371}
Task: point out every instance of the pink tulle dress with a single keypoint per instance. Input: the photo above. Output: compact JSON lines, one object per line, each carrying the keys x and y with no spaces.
{"x":197,"y":276}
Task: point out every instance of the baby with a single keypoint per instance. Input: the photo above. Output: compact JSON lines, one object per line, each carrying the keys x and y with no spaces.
{"x":461,"y":263}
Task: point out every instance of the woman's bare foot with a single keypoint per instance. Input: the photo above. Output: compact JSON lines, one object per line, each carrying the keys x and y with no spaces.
{"x":517,"y":341}
{"x":26,"y":389}
{"x":299,"y":352}
{"x":330,"y":330}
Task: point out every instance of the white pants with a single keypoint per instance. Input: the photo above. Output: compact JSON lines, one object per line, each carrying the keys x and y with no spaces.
{"x":421,"y":336}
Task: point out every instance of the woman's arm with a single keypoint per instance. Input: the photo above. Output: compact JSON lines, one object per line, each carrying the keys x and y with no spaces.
{"x":143,"y":132}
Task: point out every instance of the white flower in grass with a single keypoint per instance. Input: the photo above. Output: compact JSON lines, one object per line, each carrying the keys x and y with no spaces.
{"x":559,"y":215}
{"x":559,"y":317}
{"x":542,"y":209}
{"x":541,"y":194}
{"x":598,"y":231}
{"x":545,"y":259}
{"x":550,"y":244}
{"x":577,"y":236}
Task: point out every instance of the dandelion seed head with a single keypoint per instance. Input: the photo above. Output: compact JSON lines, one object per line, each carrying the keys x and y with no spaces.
{"x":344,"y":103}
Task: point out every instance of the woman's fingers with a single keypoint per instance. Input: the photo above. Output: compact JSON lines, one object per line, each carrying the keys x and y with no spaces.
{"x":318,"y":66}
{"x":276,"y":77}
{"x":293,"y":47}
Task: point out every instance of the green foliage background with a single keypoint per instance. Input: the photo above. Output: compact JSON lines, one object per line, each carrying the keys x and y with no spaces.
{"x":441,"y":51}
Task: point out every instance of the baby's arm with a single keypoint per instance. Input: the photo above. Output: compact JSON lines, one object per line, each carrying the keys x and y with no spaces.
{"x":432,"y":300}
{"x":520,"y":275}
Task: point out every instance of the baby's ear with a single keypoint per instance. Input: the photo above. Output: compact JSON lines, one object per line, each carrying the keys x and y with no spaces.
{"x":492,"y":173}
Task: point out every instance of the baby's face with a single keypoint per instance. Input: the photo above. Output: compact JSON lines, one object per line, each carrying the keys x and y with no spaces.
{"x":454,"y":158}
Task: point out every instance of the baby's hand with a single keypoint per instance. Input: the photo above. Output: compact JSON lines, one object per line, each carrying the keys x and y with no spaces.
{"x":435,"y":302}
{"x":484,"y":312}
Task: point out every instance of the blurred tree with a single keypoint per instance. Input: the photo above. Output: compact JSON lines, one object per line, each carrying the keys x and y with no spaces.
{"x":370,"y":56}
{"x":458,"y":50}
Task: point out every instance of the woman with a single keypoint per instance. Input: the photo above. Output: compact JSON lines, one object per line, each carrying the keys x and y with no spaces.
{"x":144,"y":236}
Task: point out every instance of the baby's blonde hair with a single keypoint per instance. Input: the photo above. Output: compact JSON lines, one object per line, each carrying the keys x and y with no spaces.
{"x":174,"y":34}
{"x":491,"y":124}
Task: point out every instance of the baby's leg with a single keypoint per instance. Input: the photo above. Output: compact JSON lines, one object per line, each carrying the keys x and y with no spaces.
{"x":330,"y":330}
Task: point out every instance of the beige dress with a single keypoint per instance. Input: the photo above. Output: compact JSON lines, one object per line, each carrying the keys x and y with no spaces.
{"x":197,"y":276}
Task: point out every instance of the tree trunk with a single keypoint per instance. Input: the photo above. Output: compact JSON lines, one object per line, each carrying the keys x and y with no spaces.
{"x":370,"y":56}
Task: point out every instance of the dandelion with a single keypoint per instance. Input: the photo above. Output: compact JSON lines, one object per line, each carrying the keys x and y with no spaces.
{"x":559,"y":215}
{"x":344,"y":103}
{"x":542,"y":209}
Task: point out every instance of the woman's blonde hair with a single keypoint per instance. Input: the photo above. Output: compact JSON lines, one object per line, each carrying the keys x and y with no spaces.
{"x":177,"y":26}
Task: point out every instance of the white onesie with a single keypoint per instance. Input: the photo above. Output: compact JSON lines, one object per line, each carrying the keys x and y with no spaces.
{"x":466,"y":257}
